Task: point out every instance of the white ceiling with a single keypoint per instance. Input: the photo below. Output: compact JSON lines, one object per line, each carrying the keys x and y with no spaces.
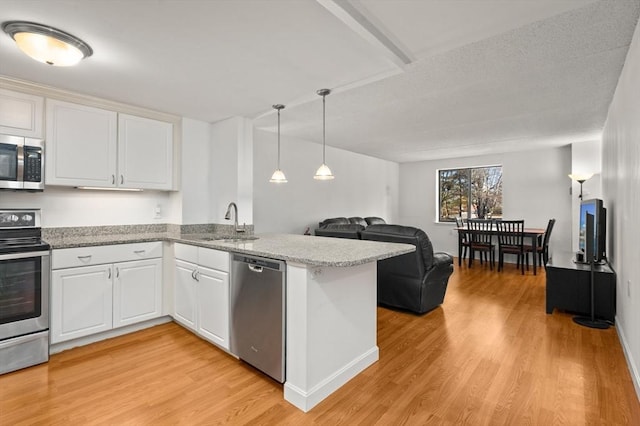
{"x":412,"y":80}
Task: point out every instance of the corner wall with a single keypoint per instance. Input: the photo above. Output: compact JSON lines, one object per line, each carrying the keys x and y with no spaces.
{"x":364,"y":186}
{"x":621,"y":189}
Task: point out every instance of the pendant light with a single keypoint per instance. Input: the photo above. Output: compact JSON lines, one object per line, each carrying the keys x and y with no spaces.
{"x":278,"y":176}
{"x":323,"y":172}
{"x":47,"y":44}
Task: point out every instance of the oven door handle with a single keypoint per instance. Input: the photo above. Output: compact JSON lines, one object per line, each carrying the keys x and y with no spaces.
{"x":13,"y":256}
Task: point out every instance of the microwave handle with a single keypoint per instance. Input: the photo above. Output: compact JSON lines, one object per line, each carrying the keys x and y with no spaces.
{"x":20,"y":171}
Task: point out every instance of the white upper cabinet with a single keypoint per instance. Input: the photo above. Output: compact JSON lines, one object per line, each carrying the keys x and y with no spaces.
{"x":21,"y":114}
{"x":145,"y":153}
{"x":81,"y":145}
{"x":90,"y":146}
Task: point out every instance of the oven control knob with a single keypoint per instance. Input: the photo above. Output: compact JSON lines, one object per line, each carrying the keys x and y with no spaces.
{"x":14,"y":218}
{"x":27,"y":218}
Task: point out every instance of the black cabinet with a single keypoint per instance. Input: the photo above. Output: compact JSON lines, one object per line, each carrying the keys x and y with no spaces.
{"x":568,"y":287}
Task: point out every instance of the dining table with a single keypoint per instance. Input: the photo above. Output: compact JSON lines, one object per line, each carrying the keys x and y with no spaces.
{"x":532,"y":233}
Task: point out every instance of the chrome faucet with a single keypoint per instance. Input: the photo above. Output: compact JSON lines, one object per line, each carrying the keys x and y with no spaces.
{"x":227,"y":216}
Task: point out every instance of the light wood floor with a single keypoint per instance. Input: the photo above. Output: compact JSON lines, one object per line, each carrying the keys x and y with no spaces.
{"x":489,"y":356}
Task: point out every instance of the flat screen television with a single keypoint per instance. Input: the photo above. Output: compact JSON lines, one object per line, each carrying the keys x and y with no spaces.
{"x":599,"y":234}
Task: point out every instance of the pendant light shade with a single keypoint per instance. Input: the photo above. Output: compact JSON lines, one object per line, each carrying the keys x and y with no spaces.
{"x":47,"y":44}
{"x":323,"y":172}
{"x":278,"y":176}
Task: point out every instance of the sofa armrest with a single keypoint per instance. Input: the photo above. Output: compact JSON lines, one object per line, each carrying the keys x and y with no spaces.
{"x":442,"y":267}
{"x":442,"y":258}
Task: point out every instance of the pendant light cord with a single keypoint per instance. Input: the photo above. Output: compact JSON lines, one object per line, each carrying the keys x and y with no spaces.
{"x":324,"y":126}
{"x":278,"y":138}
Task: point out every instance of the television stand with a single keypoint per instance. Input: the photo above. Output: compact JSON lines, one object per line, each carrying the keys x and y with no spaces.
{"x":568,"y":287}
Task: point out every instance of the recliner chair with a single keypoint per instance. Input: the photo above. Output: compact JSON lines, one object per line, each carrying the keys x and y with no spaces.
{"x":416,"y":281}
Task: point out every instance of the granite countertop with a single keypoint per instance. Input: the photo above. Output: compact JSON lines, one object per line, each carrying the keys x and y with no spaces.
{"x":304,"y":249}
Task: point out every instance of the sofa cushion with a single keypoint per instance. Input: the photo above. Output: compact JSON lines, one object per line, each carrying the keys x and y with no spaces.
{"x":340,"y":230}
{"x":333,"y":220}
{"x":358,"y":221}
{"x":372,"y":220}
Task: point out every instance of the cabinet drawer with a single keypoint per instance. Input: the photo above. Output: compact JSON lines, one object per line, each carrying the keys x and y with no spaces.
{"x":214,"y":259}
{"x":97,"y":255}
{"x":186,"y":252}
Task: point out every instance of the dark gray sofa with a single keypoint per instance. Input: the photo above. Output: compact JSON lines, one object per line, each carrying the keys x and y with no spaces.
{"x":342,"y":227}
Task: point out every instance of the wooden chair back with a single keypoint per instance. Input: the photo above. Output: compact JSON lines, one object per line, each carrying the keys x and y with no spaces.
{"x":510,"y":233}
{"x":481,"y":231}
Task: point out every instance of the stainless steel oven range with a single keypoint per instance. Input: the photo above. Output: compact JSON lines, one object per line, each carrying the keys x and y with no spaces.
{"x":24,"y":290}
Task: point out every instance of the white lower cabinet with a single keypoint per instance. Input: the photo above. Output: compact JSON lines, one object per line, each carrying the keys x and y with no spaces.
{"x":90,"y":299}
{"x":201,"y":292}
{"x":81,"y":302}
{"x":213,"y":305}
{"x":185,"y":294}
{"x":137,"y":291}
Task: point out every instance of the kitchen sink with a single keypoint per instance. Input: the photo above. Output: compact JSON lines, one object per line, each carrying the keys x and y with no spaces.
{"x":227,"y":238}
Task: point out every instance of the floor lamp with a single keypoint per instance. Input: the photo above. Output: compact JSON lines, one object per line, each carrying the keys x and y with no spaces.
{"x":591,"y":320}
{"x":581,"y":178}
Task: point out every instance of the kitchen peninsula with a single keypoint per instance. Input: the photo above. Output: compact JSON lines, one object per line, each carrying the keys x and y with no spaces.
{"x":330,"y":298}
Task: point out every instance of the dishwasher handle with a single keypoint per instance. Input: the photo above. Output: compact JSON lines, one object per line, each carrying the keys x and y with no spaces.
{"x":254,"y":268}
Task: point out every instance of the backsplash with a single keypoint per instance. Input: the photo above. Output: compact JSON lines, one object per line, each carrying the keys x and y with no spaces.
{"x":154,"y":228}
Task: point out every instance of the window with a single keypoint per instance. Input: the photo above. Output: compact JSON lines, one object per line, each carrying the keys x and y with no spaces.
{"x":470,"y":193}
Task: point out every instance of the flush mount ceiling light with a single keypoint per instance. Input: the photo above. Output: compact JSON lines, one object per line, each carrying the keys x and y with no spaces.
{"x":278,"y":176}
{"x":323,"y":172}
{"x":46,"y":44}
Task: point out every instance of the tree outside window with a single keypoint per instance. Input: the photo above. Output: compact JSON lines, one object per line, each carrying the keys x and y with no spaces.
{"x":470,"y":193}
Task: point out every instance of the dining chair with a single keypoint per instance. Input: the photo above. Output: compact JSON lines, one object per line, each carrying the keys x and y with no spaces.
{"x":480,"y":231}
{"x":463,"y":240}
{"x":511,"y":240}
{"x":542,"y":248}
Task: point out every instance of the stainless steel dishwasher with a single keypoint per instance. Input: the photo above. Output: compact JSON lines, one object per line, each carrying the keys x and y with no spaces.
{"x":258,"y":290}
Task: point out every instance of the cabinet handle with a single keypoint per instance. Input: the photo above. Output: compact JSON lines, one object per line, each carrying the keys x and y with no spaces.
{"x":117,"y":272}
{"x":87,"y":257}
{"x":109,"y":273}
{"x":197,"y":275}
{"x":113,"y":179}
{"x":121,"y":179}
{"x":193,"y":274}
{"x":139,"y":251}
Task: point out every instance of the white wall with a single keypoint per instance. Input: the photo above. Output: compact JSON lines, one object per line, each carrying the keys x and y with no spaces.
{"x":621,"y":188}
{"x":231,"y":165}
{"x":197,"y":185}
{"x":63,"y":206}
{"x":364,"y":186}
{"x":535,"y":187}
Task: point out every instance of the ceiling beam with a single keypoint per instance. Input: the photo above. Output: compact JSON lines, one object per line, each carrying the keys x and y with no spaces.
{"x":355,"y":16}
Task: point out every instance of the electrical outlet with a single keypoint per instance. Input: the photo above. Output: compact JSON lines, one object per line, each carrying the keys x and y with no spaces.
{"x":628,"y":288}
{"x":157,"y":212}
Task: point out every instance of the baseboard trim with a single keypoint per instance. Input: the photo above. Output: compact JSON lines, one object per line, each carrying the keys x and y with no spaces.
{"x":635,"y":376}
{"x":121,"y":331}
{"x":306,"y":400}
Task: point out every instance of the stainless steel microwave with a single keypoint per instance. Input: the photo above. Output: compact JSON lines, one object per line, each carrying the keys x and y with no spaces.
{"x":21,"y":163}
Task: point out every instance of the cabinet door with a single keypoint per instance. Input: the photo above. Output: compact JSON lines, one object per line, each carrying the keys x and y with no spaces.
{"x":81,"y":145}
{"x":81,"y":302}
{"x":145,"y":153}
{"x":213,"y":306}
{"x":184,"y":310}
{"x":137,"y":291}
{"x":21,"y":114}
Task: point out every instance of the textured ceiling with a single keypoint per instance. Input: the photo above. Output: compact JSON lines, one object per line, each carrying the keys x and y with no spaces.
{"x":486,"y":75}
